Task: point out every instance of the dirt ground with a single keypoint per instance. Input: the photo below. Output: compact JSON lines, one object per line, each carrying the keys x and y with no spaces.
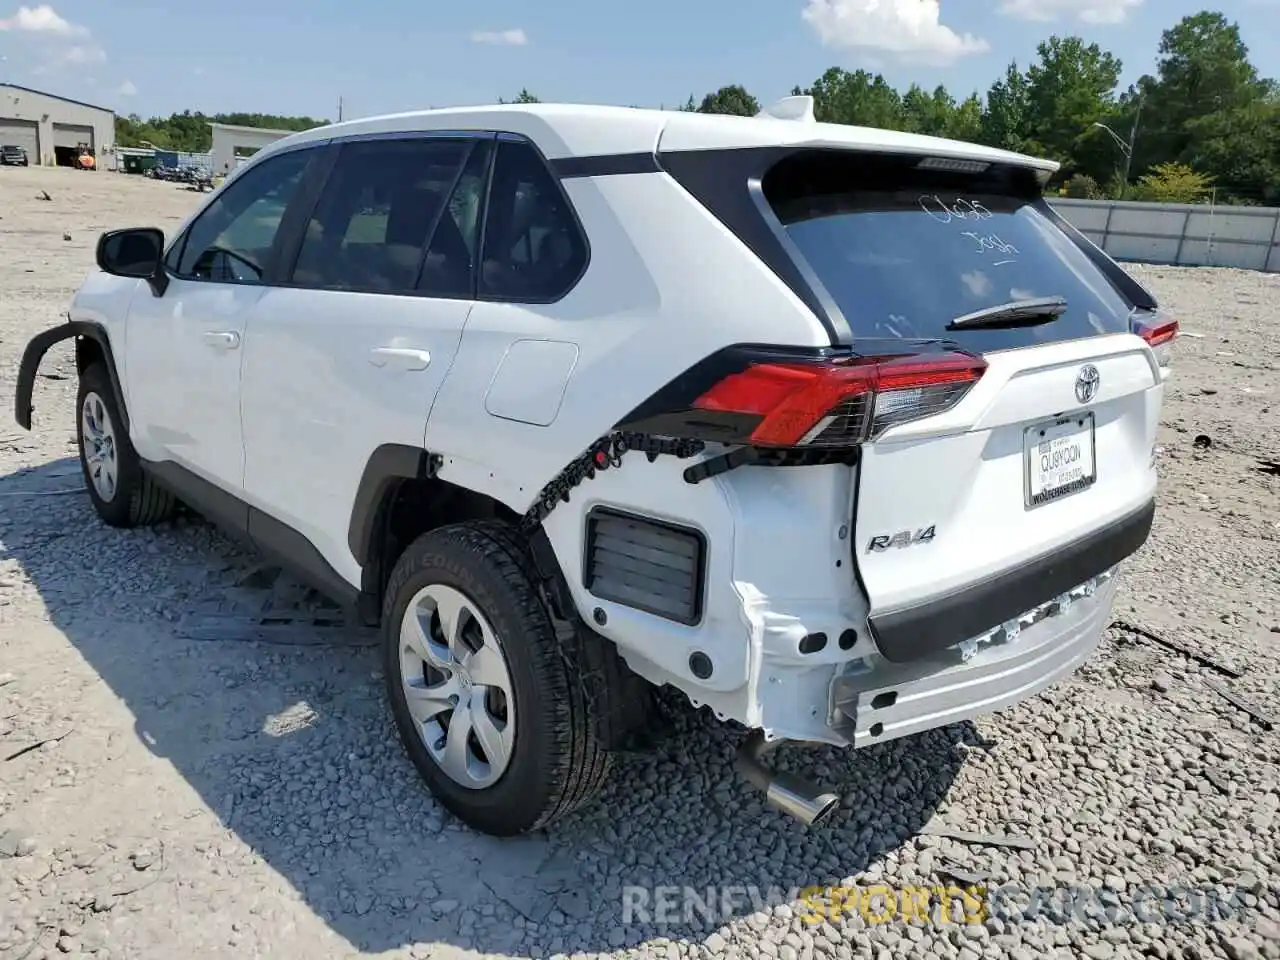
{"x":174,"y":789}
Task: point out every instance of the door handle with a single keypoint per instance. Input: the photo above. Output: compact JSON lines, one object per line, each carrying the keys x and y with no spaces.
{"x":399,"y":358}
{"x":222,"y":339}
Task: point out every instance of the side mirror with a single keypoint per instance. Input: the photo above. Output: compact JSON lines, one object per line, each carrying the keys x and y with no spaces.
{"x":137,"y":252}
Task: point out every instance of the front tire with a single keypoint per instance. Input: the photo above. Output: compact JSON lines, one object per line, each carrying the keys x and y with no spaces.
{"x":123,"y":494}
{"x":488,"y":702}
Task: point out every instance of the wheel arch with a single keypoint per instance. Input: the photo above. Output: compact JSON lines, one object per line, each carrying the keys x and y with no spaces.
{"x":400,"y":497}
{"x":93,"y":344}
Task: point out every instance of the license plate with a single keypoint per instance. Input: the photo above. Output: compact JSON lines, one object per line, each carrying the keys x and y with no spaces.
{"x":1060,"y":459}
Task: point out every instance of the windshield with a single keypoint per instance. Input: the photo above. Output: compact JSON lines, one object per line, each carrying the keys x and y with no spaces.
{"x":903,"y":251}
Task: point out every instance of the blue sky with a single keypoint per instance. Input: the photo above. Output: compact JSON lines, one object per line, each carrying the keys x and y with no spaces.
{"x":299,"y":56}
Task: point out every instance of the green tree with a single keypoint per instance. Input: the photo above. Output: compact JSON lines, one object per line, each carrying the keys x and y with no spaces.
{"x":966,"y":121}
{"x":189,"y":132}
{"x":1240,"y":148}
{"x":1203,"y":70}
{"x":524,"y":96}
{"x":1006,"y":120}
{"x":1083,"y":187}
{"x":937,"y":114}
{"x":1069,"y":89}
{"x":733,"y":100}
{"x":857,"y":98}
{"x":1173,"y":183}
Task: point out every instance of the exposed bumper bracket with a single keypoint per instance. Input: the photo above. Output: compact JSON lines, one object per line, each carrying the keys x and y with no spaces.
{"x":914,"y":632}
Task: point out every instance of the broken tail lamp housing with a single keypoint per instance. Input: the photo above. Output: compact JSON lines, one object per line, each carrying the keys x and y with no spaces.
{"x":841,"y":402}
{"x":1159,"y":332}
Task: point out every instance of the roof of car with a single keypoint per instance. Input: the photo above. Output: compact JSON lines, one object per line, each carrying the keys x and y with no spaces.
{"x":576,"y":130}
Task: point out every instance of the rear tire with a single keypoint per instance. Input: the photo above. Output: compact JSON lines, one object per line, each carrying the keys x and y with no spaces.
{"x":466,"y":635}
{"x":123,"y":494}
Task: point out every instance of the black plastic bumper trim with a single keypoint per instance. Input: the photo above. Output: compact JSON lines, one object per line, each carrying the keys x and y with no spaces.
{"x":914,"y":632}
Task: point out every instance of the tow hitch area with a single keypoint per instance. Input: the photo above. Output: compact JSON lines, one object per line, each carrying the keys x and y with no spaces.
{"x":792,"y":795}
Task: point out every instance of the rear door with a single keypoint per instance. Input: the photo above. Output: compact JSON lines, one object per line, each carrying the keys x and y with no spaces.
{"x":350,"y":353}
{"x":1048,"y":453}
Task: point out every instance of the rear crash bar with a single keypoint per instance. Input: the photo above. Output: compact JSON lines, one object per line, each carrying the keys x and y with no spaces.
{"x":912,"y":633}
{"x":800,"y":798}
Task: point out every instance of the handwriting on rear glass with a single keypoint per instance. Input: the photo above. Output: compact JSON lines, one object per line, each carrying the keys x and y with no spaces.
{"x":957,"y":209}
{"x":963,"y":211}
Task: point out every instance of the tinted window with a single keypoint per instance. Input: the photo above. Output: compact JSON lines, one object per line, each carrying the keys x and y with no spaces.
{"x":233,"y":238}
{"x":447,"y":270}
{"x":533,"y":249}
{"x":376,"y":213}
{"x":903,"y":251}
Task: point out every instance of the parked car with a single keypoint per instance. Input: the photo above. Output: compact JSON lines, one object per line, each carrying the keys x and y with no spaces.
{"x":12,"y":155}
{"x":844,"y":433}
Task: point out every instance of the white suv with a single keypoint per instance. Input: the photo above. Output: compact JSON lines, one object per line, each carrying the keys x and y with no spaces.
{"x":842,"y":432}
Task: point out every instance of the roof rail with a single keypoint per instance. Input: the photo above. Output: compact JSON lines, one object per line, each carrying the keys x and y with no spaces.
{"x":791,"y":108}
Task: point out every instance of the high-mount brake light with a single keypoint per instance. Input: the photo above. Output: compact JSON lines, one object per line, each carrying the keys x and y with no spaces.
{"x":1159,"y":335}
{"x":841,"y":402}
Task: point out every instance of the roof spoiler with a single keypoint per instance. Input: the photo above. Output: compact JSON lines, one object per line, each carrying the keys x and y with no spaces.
{"x":791,"y":108}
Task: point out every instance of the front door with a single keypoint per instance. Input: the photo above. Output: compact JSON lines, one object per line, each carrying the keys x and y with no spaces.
{"x":349,"y":354}
{"x":184,"y":348}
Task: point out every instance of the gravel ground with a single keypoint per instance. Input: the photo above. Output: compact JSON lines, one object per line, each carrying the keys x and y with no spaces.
{"x":221,"y":798}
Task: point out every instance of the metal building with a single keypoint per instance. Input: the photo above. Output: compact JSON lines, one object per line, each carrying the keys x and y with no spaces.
{"x":232,"y":143}
{"x":52,"y":128}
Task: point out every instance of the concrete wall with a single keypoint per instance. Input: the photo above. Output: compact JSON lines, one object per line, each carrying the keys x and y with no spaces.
{"x":18,"y":103}
{"x":1194,"y":235}
{"x":227,"y":138}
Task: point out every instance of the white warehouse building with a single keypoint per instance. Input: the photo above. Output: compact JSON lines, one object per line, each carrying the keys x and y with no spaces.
{"x":231,"y":142}
{"x":52,"y":128}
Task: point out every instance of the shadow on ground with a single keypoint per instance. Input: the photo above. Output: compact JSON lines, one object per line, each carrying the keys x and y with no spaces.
{"x":286,"y":738}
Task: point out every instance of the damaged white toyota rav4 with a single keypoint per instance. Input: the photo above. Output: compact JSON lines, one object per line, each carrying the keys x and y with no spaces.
{"x":841,"y":432}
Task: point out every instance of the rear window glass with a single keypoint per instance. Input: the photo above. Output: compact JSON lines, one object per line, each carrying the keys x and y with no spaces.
{"x":903,"y":251}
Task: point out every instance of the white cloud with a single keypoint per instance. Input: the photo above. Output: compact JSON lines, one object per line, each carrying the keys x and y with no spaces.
{"x":127,"y":89}
{"x":1087,"y":11}
{"x":42,"y":19}
{"x":81,"y":54}
{"x":907,"y":29}
{"x":501,"y":38}
{"x":55,"y":41}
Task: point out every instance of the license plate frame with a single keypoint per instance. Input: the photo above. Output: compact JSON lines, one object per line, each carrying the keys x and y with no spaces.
{"x":1044,"y":434}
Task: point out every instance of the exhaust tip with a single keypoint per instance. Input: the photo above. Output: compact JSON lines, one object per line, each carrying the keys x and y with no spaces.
{"x":794,"y":796}
{"x":801,"y":799}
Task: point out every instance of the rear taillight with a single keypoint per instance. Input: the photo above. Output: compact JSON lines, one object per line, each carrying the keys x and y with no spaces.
{"x":840,"y":402}
{"x":1159,"y":332}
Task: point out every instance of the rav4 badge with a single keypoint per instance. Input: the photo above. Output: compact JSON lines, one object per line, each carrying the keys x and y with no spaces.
{"x":903,"y":538}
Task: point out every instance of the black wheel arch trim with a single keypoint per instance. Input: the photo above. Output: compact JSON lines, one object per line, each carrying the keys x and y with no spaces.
{"x":910,"y":633}
{"x":387,"y":465}
{"x":34,"y":353}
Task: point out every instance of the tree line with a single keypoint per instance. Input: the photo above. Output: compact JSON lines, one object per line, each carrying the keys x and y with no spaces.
{"x":189,"y":132}
{"x":1204,"y":124}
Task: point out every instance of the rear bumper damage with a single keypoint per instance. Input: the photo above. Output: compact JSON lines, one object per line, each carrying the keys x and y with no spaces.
{"x":869,"y":704}
{"x":911,"y":633}
{"x":1046,"y":630}
{"x":871,"y":700}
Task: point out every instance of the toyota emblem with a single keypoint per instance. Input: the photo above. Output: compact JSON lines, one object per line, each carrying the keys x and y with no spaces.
{"x":1087,"y":383}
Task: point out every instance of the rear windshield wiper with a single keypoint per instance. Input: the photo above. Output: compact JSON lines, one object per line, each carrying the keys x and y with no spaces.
{"x":1018,"y":313}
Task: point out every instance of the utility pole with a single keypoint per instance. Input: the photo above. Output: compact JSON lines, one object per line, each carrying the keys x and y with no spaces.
{"x":340,"y":110}
{"x":1133,"y":136}
{"x":1126,"y":146}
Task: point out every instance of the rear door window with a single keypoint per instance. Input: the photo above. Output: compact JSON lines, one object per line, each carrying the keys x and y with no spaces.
{"x":370,"y":228}
{"x":902,"y":251}
{"x":534,"y":250}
